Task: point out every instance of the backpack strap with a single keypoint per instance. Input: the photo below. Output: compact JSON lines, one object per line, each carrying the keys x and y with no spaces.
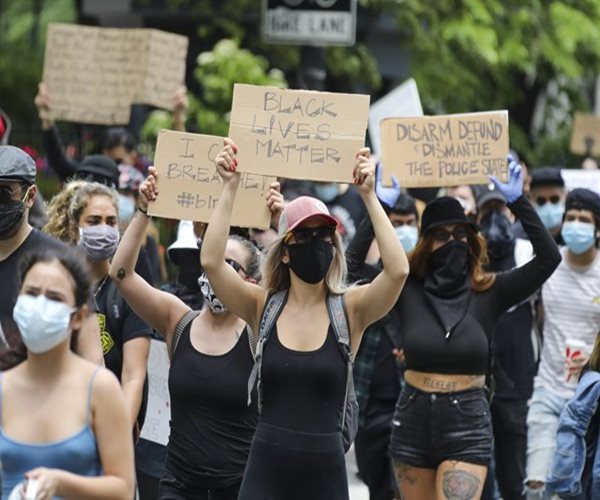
{"x":271,"y":312}
{"x":336,"y":308}
{"x":187,"y":318}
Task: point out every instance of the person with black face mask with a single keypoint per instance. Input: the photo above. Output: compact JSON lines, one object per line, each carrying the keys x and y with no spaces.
{"x":17,"y":238}
{"x":441,"y":430}
{"x":514,"y":360}
{"x":211,"y":359}
{"x":302,"y":368}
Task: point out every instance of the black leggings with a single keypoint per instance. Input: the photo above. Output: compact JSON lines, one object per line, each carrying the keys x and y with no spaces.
{"x":289,"y":465}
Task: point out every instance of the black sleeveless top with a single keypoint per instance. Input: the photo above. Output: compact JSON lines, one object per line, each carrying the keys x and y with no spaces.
{"x":211,"y":423}
{"x":303,"y":391}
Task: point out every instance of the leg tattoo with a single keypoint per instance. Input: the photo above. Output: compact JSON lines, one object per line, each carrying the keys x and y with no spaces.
{"x":404,"y":474}
{"x":460,"y":485}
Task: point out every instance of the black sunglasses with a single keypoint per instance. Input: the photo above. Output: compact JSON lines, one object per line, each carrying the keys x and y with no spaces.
{"x":443,"y":235}
{"x":542,"y":200}
{"x":304,"y":235}
{"x":236,"y":265}
{"x":7,"y":193}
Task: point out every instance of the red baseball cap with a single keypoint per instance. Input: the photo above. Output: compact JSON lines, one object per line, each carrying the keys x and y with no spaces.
{"x":302,"y":209}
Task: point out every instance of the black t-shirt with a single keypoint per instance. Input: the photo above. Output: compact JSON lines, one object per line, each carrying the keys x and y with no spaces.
{"x":9,"y":278}
{"x":118,"y":325}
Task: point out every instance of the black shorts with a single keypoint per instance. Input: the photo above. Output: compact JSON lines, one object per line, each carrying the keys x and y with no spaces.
{"x":429,"y":428}
{"x":171,"y":488}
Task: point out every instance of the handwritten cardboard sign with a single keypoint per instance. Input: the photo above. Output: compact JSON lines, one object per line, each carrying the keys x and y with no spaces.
{"x":158,"y":413}
{"x":446,"y":150}
{"x":190,"y":186}
{"x":94,"y":75}
{"x":298,"y":134}
{"x":585,"y":137}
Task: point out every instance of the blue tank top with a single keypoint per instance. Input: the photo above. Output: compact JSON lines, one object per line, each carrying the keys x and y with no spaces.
{"x":77,"y":454}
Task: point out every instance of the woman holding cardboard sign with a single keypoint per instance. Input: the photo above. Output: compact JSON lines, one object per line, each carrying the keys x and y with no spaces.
{"x":309,"y":327}
{"x":211,"y":359}
{"x":442,"y":432}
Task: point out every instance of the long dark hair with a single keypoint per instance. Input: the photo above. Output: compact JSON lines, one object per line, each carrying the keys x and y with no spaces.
{"x":76,"y":265}
{"x":478,"y":257}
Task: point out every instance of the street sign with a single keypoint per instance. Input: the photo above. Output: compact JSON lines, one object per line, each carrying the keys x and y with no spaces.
{"x":309,"y":22}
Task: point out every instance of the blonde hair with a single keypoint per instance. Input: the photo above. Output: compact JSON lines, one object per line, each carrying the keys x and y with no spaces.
{"x":276,"y":274}
{"x":66,"y":208}
{"x":59,"y":224}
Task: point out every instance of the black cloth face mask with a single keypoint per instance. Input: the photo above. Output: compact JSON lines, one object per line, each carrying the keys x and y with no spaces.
{"x":496,"y":228}
{"x":11,"y":218}
{"x":310,"y":262}
{"x":447,"y":283}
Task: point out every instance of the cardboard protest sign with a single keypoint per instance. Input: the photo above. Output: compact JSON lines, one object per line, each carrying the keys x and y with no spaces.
{"x":94,"y":75}
{"x":402,"y":101}
{"x":298,"y":134}
{"x":446,"y":150}
{"x":585,"y":137}
{"x":190,"y":186}
{"x":158,"y":413}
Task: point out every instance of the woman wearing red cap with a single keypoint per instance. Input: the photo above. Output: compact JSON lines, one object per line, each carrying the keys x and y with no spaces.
{"x":298,"y":449}
{"x":441,"y":430}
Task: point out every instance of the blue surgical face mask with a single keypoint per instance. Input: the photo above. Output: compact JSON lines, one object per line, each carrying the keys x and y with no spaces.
{"x":43,"y":323}
{"x":126,"y":208}
{"x":551,"y":214}
{"x":579,"y":236}
{"x":408,"y":236}
{"x":326,"y":192}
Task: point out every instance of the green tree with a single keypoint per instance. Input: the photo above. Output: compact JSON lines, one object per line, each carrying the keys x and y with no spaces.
{"x":22,"y":38}
{"x":470,"y":55}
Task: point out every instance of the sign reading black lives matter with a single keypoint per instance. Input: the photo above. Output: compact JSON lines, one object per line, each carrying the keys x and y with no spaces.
{"x":309,"y":22}
{"x":445,"y":150}
{"x":189,"y":185}
{"x":298,"y":134}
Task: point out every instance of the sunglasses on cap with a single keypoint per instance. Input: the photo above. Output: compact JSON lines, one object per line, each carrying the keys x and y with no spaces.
{"x":443,"y":235}
{"x":236,"y":266}
{"x":304,"y":235}
{"x":542,"y":200}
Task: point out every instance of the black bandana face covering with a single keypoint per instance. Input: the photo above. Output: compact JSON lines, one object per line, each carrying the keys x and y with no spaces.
{"x":447,"y":284}
{"x":310,"y":262}
{"x":497,"y":231}
{"x":11,"y":218}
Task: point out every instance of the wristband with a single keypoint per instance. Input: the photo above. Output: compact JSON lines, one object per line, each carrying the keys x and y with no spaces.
{"x":145,"y":212}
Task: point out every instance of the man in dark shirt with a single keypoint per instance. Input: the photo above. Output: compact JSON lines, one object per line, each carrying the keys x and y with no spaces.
{"x":17,"y":237}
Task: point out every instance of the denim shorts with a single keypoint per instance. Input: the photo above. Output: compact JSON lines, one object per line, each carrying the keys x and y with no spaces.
{"x":429,"y":428}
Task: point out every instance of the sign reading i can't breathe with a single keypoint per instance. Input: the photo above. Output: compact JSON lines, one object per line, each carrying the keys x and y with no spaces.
{"x":298,"y":134}
{"x":190,"y":186}
{"x":310,"y":22}
{"x":446,"y":150}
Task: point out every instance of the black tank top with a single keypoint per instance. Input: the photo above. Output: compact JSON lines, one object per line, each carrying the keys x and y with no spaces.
{"x":303,"y":391}
{"x":211,"y":423}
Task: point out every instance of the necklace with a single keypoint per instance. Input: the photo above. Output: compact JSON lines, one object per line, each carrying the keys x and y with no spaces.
{"x":100,"y":286}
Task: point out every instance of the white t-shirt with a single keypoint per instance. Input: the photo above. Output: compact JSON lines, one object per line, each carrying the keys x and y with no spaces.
{"x":571,"y":299}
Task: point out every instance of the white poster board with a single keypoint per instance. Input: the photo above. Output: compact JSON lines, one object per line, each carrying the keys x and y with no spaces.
{"x":579,"y":178}
{"x":158,"y":414}
{"x":403,"y":101}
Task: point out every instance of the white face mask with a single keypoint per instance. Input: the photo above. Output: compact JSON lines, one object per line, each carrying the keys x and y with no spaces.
{"x":43,"y":323}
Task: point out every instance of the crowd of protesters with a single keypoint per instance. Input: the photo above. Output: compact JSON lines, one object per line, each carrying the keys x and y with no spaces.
{"x":452,"y":336}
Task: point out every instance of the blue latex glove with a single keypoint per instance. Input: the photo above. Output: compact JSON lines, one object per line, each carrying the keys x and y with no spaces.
{"x":387,"y":195}
{"x":513,"y":189}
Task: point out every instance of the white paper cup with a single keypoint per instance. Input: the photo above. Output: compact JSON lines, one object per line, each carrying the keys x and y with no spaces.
{"x":577,"y":353}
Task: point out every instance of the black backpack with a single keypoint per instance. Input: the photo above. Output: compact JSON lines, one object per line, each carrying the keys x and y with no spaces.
{"x":339,"y":321}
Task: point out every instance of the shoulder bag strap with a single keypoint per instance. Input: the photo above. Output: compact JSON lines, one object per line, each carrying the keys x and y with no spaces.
{"x":187,"y":318}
